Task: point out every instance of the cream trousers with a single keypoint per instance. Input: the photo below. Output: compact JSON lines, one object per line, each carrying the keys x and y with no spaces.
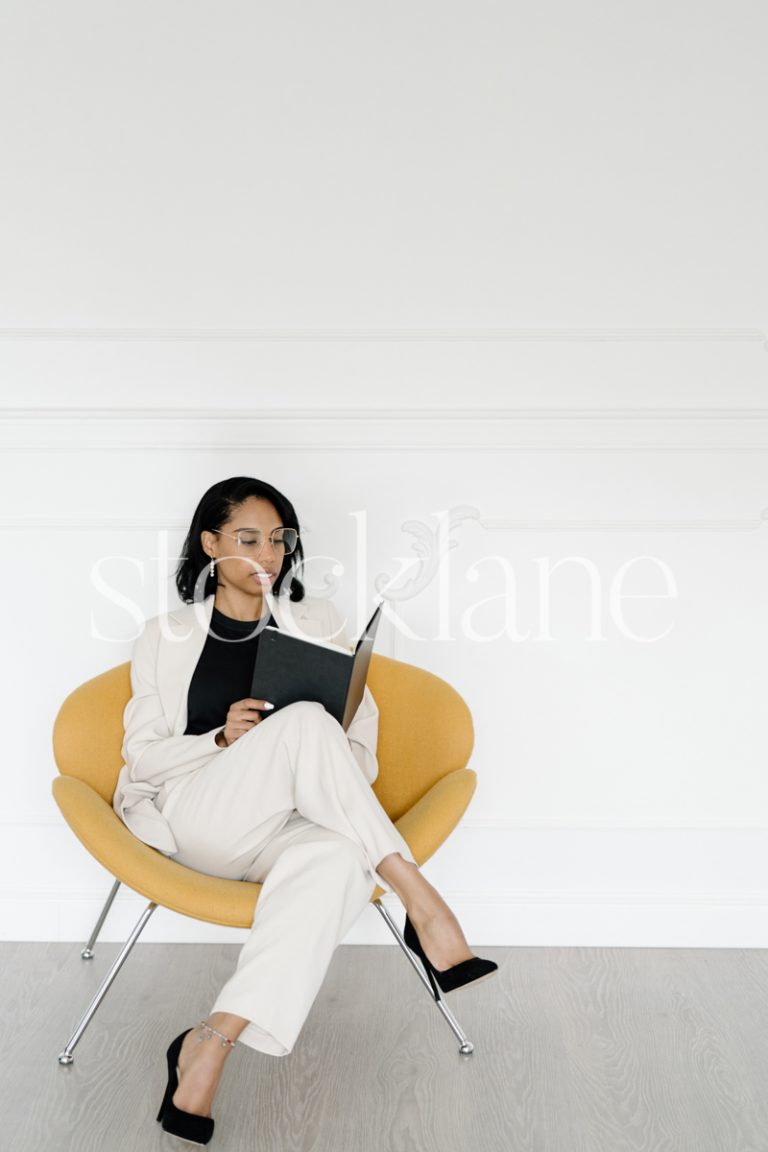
{"x":288,"y":806}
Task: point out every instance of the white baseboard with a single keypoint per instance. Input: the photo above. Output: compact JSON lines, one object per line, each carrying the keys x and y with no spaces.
{"x":718,"y":919}
{"x":525,"y":886}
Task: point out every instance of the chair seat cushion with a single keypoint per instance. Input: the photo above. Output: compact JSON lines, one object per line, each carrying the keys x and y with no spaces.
{"x":211,"y":898}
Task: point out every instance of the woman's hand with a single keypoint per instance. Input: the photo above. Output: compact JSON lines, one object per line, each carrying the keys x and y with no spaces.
{"x":242,"y":716}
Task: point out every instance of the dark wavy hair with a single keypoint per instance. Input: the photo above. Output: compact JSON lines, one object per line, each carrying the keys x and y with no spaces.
{"x":214,"y":509}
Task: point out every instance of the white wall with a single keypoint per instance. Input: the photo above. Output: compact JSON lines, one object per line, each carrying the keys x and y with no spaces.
{"x":501,"y":259}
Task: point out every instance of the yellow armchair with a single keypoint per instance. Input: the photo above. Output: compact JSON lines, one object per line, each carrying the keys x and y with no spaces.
{"x":425,"y":740}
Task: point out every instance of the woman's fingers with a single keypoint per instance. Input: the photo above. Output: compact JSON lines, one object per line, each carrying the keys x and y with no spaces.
{"x":244,"y":715}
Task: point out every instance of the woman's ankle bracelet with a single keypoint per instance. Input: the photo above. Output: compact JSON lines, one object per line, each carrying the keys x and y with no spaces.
{"x":209,"y":1031}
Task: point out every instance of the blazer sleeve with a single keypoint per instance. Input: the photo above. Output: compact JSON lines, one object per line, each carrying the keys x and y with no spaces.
{"x":363,"y":730}
{"x":150,"y":751}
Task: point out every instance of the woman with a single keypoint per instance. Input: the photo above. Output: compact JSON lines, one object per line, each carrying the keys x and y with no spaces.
{"x":286,"y":803}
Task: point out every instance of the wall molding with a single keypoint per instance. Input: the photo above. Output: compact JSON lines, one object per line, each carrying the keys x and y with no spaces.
{"x":597,"y":429}
{"x":491,"y":524}
{"x":483,"y":823}
{"x":700,"y":524}
{"x":720,"y":897}
{"x":292,"y":446}
{"x":604,"y":429}
{"x":394,"y":335}
{"x":377,"y":415}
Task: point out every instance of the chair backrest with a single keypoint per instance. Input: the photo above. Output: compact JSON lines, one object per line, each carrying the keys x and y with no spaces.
{"x":425,"y":731}
{"x":88,"y":730}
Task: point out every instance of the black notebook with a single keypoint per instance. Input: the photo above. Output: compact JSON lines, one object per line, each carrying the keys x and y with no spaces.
{"x":289,"y":668}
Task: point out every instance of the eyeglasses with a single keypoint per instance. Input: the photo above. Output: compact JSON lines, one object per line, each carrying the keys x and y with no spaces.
{"x":251,"y":540}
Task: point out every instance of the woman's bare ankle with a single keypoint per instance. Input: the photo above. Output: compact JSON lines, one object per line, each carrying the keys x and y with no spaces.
{"x":227,"y":1023}
{"x":203,"y":1044}
{"x":420,"y":900}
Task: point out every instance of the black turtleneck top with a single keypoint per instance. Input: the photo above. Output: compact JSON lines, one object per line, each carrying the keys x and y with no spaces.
{"x":224,"y":672}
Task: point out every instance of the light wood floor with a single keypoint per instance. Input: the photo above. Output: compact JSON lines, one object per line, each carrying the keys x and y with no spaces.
{"x":576,"y":1050}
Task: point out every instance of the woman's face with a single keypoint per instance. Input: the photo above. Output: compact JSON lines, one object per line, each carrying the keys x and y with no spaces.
{"x":250,"y":562}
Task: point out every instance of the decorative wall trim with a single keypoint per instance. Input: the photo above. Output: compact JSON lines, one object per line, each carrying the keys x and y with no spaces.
{"x":377,"y":415}
{"x":729,"y":524}
{"x":395,"y":335}
{"x":320,"y":430}
{"x":260,"y":448}
{"x":485,"y":824}
{"x":665,"y":897}
{"x":616,"y":524}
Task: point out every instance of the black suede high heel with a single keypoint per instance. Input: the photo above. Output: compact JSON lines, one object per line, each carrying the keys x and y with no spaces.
{"x":186,"y":1125}
{"x":467,"y":972}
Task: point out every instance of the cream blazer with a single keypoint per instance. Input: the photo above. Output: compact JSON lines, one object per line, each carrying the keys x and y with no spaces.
{"x":156,"y":753}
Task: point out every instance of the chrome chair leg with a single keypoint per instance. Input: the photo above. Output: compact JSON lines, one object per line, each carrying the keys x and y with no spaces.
{"x":466,"y":1047}
{"x":66,"y":1057}
{"x":87,"y":952}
